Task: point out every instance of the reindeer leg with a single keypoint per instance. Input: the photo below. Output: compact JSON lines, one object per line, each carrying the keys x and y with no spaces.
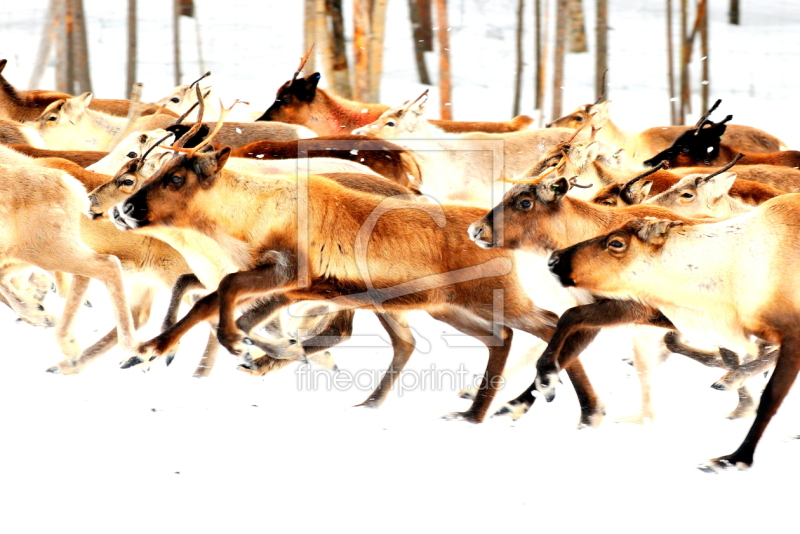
{"x":735,"y":378}
{"x":674,"y":344}
{"x":778,"y":386}
{"x":141,"y":305}
{"x":27,"y":307}
{"x":396,"y":325}
{"x":65,"y":337}
{"x":498,"y":346}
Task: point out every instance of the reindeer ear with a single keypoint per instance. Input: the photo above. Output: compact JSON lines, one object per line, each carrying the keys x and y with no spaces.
{"x":602,"y":113}
{"x":308,"y":89}
{"x":207,"y":165}
{"x":553,"y":190}
{"x":655,"y":231}
{"x":3,"y":63}
{"x":77,"y":105}
{"x":718,"y":186}
{"x":585,"y":155}
{"x":636,"y":192}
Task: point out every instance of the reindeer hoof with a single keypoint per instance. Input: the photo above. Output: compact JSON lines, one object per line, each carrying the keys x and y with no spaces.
{"x":512,"y":410}
{"x":130,"y":362}
{"x":247,"y":341}
{"x":169,"y":357}
{"x":719,"y":386}
{"x":468,"y":394}
{"x":546,"y":386}
{"x":723,"y":463}
{"x":460,"y":416}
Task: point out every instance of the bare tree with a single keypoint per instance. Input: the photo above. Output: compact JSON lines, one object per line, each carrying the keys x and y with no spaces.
{"x":65,"y":68}
{"x":685,"y":51}
{"x":562,"y":8}
{"x":673,"y":108}
{"x":132,"y":45}
{"x":361,"y":88}
{"x":377,"y":30}
{"x":702,"y":15}
{"x":80,"y":48}
{"x":422,"y":28}
{"x":49,"y":31}
{"x":538,"y":45}
{"x":733,"y":12}
{"x":577,"y":28}
{"x":176,"y":34}
{"x":443,"y":33}
{"x":309,"y":31}
{"x":340,"y":84}
{"x":518,"y":76}
{"x":601,"y":50}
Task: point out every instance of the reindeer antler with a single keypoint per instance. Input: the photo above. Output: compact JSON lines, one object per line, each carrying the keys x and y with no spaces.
{"x":198,"y":123}
{"x":733,"y":162}
{"x":192,"y":151}
{"x":662,"y":165}
{"x":600,"y":97}
{"x":707,"y":113}
{"x":157,"y":143}
{"x":206,"y":75}
{"x":303,"y":62}
{"x":579,"y":128}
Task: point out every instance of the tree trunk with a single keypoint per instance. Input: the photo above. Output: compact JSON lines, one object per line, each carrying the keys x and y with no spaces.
{"x":518,"y":76}
{"x":340,"y":84}
{"x":309,"y":32}
{"x":538,"y":81}
{"x":443,"y":34}
{"x":80,"y":48}
{"x":49,"y":31}
{"x":377,"y":31}
{"x":705,"y":83}
{"x":130,"y":77}
{"x":601,"y":52}
{"x":733,"y":12}
{"x":577,"y":28}
{"x":562,"y":13}
{"x":673,"y":108}
{"x":685,"y":51}
{"x":422,"y":31}
{"x":65,"y":73}
{"x":361,"y":9}
{"x":176,"y":33}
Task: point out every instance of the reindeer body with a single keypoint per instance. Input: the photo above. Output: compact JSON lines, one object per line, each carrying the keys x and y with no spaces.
{"x":402,"y":243}
{"x":647,"y":143}
{"x":695,"y":274}
{"x":300,"y":101}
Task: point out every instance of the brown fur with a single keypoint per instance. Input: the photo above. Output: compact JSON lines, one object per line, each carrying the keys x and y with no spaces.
{"x":404,"y":251}
{"x":385,"y":158}
{"x":651,"y":141}
{"x":84,"y":158}
{"x":723,"y":292}
{"x":328,"y":114}
{"x":24,"y":106}
{"x":12,"y":133}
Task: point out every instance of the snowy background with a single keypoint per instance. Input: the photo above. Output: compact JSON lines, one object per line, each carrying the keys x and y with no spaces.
{"x":117,"y":451}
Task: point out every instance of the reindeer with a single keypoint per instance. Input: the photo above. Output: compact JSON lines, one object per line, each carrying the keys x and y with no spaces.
{"x":183,"y":99}
{"x":718,"y":291}
{"x":300,"y":101}
{"x":403,"y":247}
{"x":14,"y":133}
{"x":22,"y":106}
{"x":84,"y":158}
{"x":56,"y":202}
{"x":702,"y":146}
{"x":543,"y":217}
{"x":465,"y":167}
{"x":70,"y":125}
{"x":643,"y":145}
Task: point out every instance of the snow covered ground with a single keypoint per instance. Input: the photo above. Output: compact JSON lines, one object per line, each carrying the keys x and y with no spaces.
{"x":117,"y":451}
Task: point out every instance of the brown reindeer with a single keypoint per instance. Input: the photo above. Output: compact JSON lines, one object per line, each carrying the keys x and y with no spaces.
{"x":84,"y":158}
{"x":383,"y":157}
{"x":643,"y":145}
{"x":300,"y":101}
{"x":541,"y":216}
{"x":723,"y":292}
{"x":402,"y":245}
{"x":24,"y":106}
{"x":656,"y":181}
{"x":702,"y":146}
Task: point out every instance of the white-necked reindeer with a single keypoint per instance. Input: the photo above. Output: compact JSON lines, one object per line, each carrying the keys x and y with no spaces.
{"x":462,"y":168}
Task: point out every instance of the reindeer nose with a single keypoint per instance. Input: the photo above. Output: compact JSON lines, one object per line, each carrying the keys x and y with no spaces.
{"x":127,"y":208}
{"x":548,"y":125}
{"x":553,"y":260}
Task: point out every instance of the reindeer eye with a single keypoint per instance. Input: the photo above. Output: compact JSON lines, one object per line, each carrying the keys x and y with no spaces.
{"x":128,"y":182}
{"x":131,"y":154}
{"x":390,"y":124}
{"x":687,"y":195}
{"x":174,"y":99}
{"x":525,"y":204}
{"x":607,"y":203}
{"x":175,"y":179}
{"x":616,"y":244}
{"x":685,"y":150}
{"x":52,"y":118}
{"x":578,"y":119}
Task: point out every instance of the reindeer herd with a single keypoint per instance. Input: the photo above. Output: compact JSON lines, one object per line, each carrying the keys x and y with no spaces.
{"x":334,"y":206}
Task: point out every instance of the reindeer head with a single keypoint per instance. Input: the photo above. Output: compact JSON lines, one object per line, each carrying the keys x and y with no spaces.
{"x":64,"y":111}
{"x":529,"y":216}
{"x":694,"y":147}
{"x":596,"y":114}
{"x":614,"y":263}
{"x":696,"y":194}
{"x":399,"y":121}
{"x":184,"y":96}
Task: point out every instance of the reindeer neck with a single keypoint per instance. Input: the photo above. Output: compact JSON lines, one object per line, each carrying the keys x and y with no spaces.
{"x":333,"y":115}
{"x":607,"y":175}
{"x":587,"y":220}
{"x":9,"y":156}
{"x":612,"y":134}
